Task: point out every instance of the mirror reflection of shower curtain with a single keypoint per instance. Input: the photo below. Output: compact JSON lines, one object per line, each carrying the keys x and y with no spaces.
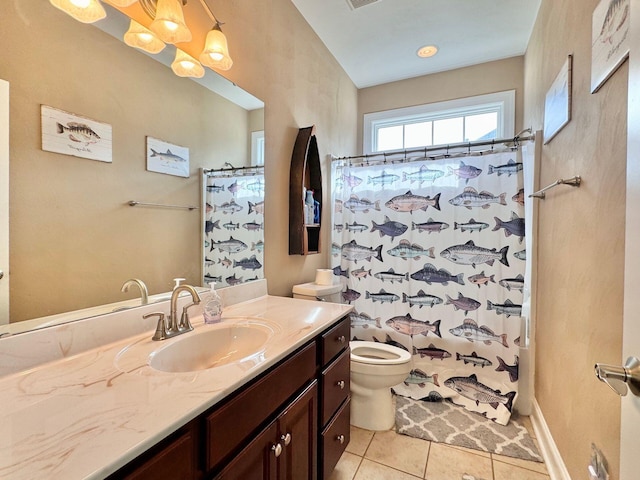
{"x":432,"y":257}
{"x":233,"y":230}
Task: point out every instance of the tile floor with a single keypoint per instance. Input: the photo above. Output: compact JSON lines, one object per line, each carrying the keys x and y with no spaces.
{"x":390,"y":456}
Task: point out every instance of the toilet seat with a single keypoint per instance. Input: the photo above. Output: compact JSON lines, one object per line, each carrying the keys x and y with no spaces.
{"x":377,"y":353}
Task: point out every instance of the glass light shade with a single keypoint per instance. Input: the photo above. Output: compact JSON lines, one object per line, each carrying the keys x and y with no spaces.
{"x":85,"y":11}
{"x":141,"y":37}
{"x":185,"y":65}
{"x":216,"y":51}
{"x":122,"y":3}
{"x":169,"y":22}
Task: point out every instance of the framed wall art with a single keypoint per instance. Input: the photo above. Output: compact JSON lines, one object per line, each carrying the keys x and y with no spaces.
{"x":609,"y":40}
{"x":70,"y":134}
{"x":164,"y":157}
{"x":557,"y":102}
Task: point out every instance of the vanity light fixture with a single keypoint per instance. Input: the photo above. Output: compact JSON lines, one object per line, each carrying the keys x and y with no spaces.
{"x":216,"y":51}
{"x":169,"y":22}
{"x":185,"y":65}
{"x":142,"y":38}
{"x":167,"y":26}
{"x":427,"y":51}
{"x":85,"y":11}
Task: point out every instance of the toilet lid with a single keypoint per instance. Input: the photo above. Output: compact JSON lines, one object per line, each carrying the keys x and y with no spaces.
{"x":377,"y":353}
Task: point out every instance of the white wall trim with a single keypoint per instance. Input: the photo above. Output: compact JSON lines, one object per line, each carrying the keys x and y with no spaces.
{"x":552,"y":459}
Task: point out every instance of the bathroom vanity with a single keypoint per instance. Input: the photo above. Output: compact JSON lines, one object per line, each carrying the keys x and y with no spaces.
{"x":269,"y":428}
{"x":106,"y":413}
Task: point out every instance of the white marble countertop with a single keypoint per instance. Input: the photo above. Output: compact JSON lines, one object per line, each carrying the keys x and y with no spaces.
{"x":87,"y":415}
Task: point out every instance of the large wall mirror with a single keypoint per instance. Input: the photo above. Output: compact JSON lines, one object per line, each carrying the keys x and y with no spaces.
{"x":74,"y":240}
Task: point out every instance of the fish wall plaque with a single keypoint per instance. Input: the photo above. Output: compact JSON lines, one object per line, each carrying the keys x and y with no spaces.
{"x":70,"y":134}
{"x":164,"y":157}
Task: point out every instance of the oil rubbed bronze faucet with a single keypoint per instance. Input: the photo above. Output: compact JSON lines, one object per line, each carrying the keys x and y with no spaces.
{"x":172,"y":327}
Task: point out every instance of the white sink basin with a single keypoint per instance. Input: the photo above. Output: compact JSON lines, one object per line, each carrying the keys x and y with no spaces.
{"x":210,"y":347}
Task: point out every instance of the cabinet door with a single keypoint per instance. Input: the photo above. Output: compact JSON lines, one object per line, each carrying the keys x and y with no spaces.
{"x":171,"y":459}
{"x":298,"y":428}
{"x":258,"y":460}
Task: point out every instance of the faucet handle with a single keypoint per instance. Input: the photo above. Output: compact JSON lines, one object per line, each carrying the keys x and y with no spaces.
{"x":161,"y":328}
{"x":185,"y":323}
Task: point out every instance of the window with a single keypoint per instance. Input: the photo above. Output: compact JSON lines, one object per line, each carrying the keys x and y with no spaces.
{"x":257,"y":148}
{"x":483,"y":117}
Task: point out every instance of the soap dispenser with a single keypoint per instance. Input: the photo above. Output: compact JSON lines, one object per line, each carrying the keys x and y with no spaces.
{"x":213,"y":307}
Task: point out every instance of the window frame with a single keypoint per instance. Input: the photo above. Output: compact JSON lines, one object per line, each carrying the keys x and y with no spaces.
{"x":257,"y":148}
{"x":502,"y":102}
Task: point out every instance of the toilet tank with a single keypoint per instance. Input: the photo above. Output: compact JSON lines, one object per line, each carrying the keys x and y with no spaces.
{"x":313,"y":291}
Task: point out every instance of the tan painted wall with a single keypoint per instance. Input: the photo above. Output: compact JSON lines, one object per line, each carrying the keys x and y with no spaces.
{"x":278,"y":58}
{"x":480,"y":79}
{"x":581,"y":239}
{"x":65,"y":209}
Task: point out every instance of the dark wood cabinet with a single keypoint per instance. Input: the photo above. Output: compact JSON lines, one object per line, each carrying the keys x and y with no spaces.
{"x":285,"y":449}
{"x":335,"y":438}
{"x":290,"y":423}
{"x":257,"y":461}
{"x":174,"y":457}
{"x":304,"y":173}
{"x":335,"y":387}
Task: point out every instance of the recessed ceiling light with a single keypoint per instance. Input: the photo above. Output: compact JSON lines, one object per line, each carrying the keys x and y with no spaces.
{"x":427,"y":51}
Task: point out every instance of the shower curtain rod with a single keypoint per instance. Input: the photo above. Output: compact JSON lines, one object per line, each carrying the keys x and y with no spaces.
{"x":230,"y":169}
{"x":454,"y":146}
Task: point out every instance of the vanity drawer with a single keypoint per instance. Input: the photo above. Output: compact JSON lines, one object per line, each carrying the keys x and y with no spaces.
{"x":334,"y":340}
{"x":335,"y":439}
{"x":335,"y":385}
{"x":229,"y":425}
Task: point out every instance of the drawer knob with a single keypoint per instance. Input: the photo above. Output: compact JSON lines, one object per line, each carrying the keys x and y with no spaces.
{"x":341,"y":384}
{"x":340,"y":438}
{"x":276,"y":449}
{"x":341,"y":339}
{"x":286,"y":439}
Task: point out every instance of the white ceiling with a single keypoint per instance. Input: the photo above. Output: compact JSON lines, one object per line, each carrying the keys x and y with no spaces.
{"x":377,"y":43}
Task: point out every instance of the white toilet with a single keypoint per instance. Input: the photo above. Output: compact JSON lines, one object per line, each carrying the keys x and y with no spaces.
{"x":375,"y":368}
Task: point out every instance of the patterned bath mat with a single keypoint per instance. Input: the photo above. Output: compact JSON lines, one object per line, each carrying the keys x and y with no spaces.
{"x":445,"y":422}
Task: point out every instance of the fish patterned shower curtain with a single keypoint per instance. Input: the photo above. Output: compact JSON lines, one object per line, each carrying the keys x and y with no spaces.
{"x":432,"y":255}
{"x":233,"y":227}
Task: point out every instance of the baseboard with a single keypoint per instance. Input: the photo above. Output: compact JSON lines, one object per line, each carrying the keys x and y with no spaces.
{"x":552,"y":459}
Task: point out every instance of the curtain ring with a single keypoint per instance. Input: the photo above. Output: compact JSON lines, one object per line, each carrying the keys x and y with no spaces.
{"x":469,"y":149}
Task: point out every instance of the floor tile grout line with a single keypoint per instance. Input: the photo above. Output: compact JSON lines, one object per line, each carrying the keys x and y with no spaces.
{"x":493,"y":470}
{"x":424,"y":474}
{"x":392,"y":468}
{"x":520,"y":466}
{"x":357,"y":468}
